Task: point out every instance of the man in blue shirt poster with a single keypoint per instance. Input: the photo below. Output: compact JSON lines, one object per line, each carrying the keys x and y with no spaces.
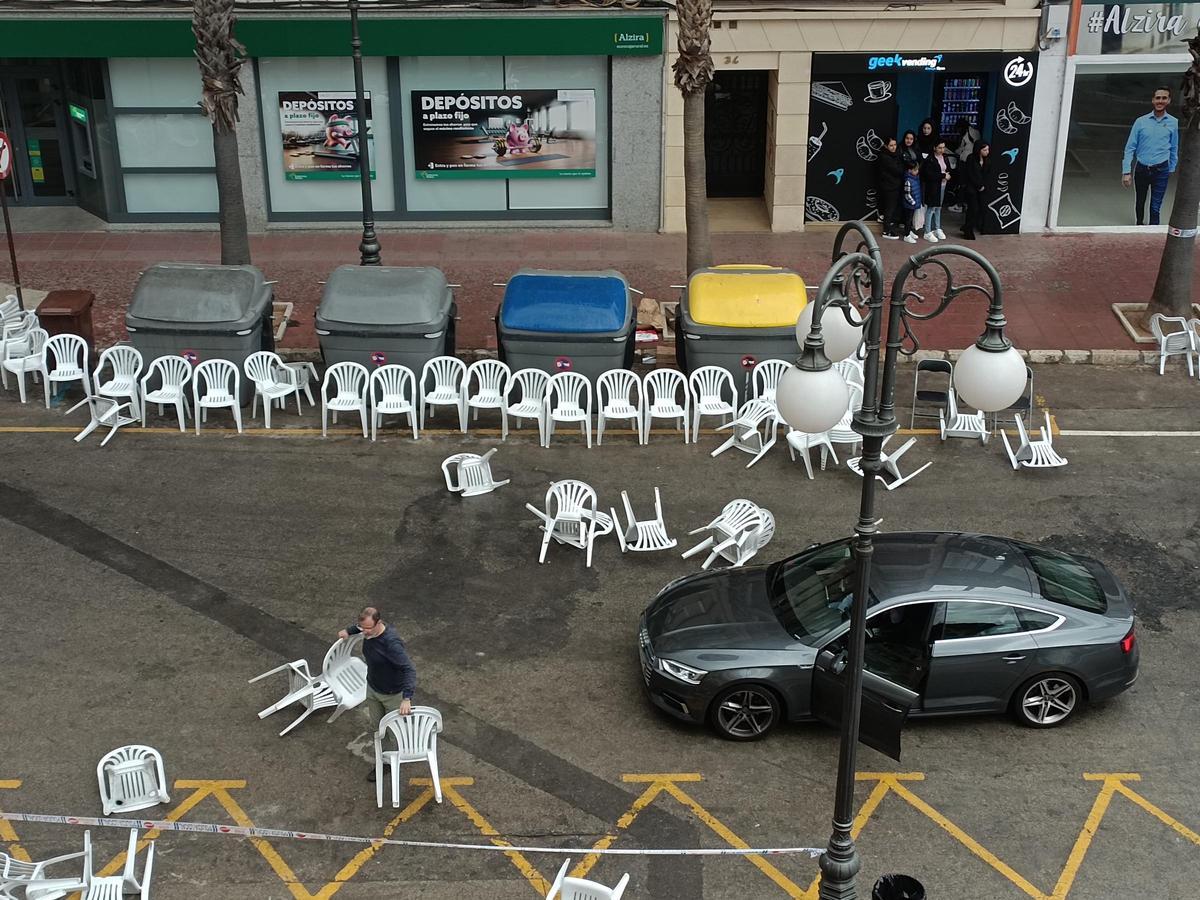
{"x":1151,"y":154}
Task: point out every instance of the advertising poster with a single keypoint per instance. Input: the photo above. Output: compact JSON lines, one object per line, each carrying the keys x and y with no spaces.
{"x":504,"y":134}
{"x":320,"y":135}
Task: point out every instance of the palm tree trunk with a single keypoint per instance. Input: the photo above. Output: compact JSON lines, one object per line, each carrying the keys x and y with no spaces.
{"x":1173,"y":288}
{"x":695,"y":184}
{"x":235,"y":239}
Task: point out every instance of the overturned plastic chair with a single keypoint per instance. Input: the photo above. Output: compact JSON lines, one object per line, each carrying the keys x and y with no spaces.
{"x":802,"y":442}
{"x":106,"y":413}
{"x":571,"y":517}
{"x":891,"y":464}
{"x":1033,"y":454}
{"x":754,"y":429}
{"x":415,"y":737}
{"x":955,"y":424}
{"x":35,"y":881}
{"x":131,"y":778}
{"x":567,"y":888}
{"x":470,"y":474}
{"x":740,"y":531}
{"x":342,"y":684}
{"x":115,"y":887}
{"x":646,"y":534}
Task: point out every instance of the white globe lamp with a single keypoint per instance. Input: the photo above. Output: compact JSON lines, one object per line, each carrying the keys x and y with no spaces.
{"x":812,"y":402}
{"x":841,"y":338}
{"x":989,"y":380}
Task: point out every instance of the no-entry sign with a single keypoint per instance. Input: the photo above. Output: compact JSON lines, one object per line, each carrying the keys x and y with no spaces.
{"x":5,"y":156}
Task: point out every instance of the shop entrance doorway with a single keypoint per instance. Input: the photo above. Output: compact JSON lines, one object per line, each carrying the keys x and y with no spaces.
{"x":32,"y":114}
{"x":735,"y":134}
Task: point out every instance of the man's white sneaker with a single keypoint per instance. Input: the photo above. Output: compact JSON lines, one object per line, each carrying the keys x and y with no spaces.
{"x":941,"y":235}
{"x":931,"y":237}
{"x":910,"y":239}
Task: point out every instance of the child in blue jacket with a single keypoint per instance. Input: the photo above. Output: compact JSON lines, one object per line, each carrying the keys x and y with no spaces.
{"x":911,"y":201}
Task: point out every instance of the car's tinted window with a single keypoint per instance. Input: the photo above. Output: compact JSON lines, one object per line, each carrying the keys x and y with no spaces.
{"x":969,"y":620}
{"x":1064,"y":579}
{"x":812,"y":593}
{"x":1032,"y":620}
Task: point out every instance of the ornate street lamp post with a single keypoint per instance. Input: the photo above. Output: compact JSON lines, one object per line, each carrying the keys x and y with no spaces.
{"x":812,"y":397}
{"x":368,"y":248}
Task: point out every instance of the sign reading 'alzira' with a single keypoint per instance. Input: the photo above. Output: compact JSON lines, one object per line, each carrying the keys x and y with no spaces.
{"x":504,"y":134}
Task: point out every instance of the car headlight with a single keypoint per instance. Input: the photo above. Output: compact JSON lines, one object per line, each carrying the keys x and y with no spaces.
{"x":680,"y":671}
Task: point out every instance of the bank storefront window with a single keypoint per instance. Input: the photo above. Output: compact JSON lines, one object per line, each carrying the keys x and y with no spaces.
{"x":311,"y":135}
{"x":164,"y":142}
{"x":484,"y":134}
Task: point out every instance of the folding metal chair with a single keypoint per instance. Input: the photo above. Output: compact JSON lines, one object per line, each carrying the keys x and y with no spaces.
{"x":929,"y":397}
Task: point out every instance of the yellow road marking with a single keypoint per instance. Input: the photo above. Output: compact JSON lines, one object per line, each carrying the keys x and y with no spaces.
{"x":7,"y":834}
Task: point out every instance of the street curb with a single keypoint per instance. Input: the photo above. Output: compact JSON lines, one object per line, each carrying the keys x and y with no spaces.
{"x":1037,"y":357}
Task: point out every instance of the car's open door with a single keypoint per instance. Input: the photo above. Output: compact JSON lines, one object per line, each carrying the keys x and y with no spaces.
{"x":885,"y":704}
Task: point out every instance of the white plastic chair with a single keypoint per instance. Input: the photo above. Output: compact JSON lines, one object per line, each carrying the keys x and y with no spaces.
{"x":66,"y":361}
{"x":126,"y":364}
{"x":9,"y":306}
{"x":35,"y":881}
{"x":274,"y":381}
{"x":570,"y":517}
{"x":646,"y":534}
{"x":392,"y":391}
{"x":14,"y":337}
{"x":802,"y":442}
{"x":20,"y":358}
{"x":174,"y":373}
{"x":619,"y":396}
{"x":568,"y":399}
{"x":843,"y":432}
{"x":737,"y":534}
{"x":1033,"y":454}
{"x":472,"y":473}
{"x":349,"y":380}
{"x":955,"y":424}
{"x":216,"y":384}
{"x":342,"y":684}
{"x":449,"y":376}
{"x":532,"y":384}
{"x":851,"y":371}
{"x":708,"y":386}
{"x":1173,"y":343}
{"x":115,"y":887}
{"x":891,"y":465}
{"x":131,"y":778}
{"x":754,"y":430}
{"x":664,"y":389}
{"x":490,"y":380}
{"x":765,"y":378}
{"x":415,"y":737}
{"x":105,"y":412}
{"x":567,"y":888}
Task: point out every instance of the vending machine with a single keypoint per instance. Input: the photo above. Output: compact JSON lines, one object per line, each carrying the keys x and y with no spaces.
{"x":956,"y":97}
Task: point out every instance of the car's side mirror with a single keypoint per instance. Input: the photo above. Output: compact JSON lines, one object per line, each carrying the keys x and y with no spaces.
{"x":833,"y":662}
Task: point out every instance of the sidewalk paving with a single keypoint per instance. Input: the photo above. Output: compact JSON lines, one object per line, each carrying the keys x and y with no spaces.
{"x":1058,"y":289}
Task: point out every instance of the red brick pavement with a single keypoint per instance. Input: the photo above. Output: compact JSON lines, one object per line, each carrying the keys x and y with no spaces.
{"x":1058,"y":289}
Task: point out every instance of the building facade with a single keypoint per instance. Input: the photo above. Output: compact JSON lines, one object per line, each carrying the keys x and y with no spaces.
{"x":534,"y":115}
{"x":805,"y":93}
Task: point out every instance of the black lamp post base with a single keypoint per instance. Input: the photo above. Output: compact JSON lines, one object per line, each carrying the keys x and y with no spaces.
{"x":839,"y":865}
{"x":368,"y":249}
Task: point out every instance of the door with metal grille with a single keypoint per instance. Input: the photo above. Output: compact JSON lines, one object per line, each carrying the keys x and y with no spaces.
{"x":735,"y":134}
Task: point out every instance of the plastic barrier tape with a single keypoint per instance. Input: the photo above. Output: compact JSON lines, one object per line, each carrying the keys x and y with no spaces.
{"x":242,"y":831}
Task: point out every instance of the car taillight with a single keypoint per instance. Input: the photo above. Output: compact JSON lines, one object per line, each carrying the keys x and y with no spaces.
{"x":1128,"y":641}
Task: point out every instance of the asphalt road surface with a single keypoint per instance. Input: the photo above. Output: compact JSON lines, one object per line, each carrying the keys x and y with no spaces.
{"x":145,"y":582}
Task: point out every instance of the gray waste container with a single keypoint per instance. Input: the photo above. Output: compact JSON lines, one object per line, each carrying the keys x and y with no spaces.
{"x":215,"y":312}
{"x":585,"y":317}
{"x":378,"y":315}
{"x":731,"y":312}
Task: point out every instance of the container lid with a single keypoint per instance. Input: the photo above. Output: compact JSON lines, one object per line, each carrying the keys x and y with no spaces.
{"x":183,"y":296}
{"x":566,"y":302}
{"x":385,"y":295}
{"x":746,"y":296}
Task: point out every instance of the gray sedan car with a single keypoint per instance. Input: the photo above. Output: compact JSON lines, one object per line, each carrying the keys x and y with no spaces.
{"x":957,"y":623}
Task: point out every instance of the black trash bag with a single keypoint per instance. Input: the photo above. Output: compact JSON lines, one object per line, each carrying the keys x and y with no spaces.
{"x":898,"y":887}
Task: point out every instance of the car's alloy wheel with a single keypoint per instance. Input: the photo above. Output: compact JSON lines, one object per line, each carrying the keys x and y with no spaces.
{"x":745,"y":712}
{"x":1048,"y":700}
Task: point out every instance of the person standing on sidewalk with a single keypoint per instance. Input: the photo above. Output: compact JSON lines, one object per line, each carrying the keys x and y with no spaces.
{"x":1151,"y":154}
{"x":891,"y":181}
{"x":974,"y":180}
{"x":935,"y":172}
{"x":391,"y":676}
{"x":911,"y":202}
